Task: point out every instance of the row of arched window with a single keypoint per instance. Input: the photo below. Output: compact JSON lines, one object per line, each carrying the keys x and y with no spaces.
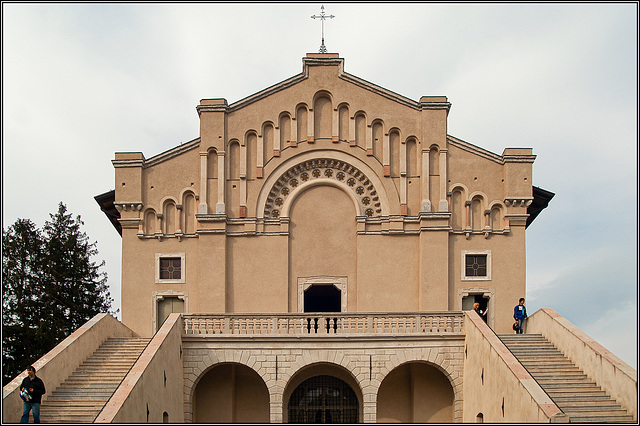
{"x":172,"y":217}
{"x":475,"y":213}
{"x":246,"y":155}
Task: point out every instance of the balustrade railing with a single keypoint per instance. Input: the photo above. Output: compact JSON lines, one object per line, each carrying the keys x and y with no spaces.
{"x":323,"y":324}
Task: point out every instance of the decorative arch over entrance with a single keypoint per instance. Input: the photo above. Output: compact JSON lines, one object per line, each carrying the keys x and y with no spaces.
{"x":331,"y":168}
{"x":322,"y":393}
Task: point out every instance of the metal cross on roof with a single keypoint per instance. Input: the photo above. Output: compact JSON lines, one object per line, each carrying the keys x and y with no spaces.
{"x":322,"y":17}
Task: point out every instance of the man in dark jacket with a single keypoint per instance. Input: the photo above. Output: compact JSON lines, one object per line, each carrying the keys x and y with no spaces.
{"x":35,"y":387}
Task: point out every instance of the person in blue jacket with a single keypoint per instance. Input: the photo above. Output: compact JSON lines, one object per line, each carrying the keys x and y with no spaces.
{"x":519,"y":314}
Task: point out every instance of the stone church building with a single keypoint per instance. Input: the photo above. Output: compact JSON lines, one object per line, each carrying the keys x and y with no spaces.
{"x":314,"y":256}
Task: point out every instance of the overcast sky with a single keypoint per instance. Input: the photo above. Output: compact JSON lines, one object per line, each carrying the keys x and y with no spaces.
{"x":83,"y":81}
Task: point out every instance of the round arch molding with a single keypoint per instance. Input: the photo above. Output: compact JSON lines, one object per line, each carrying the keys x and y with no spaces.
{"x":349,"y":174}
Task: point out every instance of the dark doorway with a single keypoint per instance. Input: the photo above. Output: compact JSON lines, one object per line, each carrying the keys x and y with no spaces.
{"x":322,"y":298}
{"x":323,"y":399}
{"x":468,"y":301}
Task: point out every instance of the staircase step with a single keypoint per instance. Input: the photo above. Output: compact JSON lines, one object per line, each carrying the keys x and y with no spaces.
{"x":568,"y":395}
{"x":568,"y":386}
{"x":602,"y":419}
{"x":81,"y":397}
{"x":608,"y":404}
{"x":594,"y":411}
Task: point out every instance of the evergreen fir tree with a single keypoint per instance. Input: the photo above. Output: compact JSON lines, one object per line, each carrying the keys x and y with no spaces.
{"x":51,"y":286}
{"x":21,"y":265}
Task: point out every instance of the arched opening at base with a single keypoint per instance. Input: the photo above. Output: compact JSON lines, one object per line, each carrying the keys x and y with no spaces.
{"x":323,"y":399}
{"x":415,"y":393}
{"x":231,"y":393}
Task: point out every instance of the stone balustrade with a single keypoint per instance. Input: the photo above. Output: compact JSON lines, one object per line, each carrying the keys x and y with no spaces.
{"x":324,"y":324}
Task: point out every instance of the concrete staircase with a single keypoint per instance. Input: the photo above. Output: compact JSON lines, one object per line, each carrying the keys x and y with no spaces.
{"x":573,"y":392}
{"x":81,"y":397}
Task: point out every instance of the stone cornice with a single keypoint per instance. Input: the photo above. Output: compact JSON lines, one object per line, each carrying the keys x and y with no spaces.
{"x":126,"y":205}
{"x":265,"y":93}
{"x":323,"y":60}
{"x":519,"y":158}
{"x":515,"y":201}
{"x":127,"y":163}
{"x":380,"y":91}
{"x":466,"y":146}
{"x":173,"y":152}
{"x":500,"y":159}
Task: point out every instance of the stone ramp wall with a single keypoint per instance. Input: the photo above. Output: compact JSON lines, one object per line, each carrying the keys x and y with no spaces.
{"x":613,"y":375}
{"x":496,"y":385}
{"x":60,"y":362}
{"x":152,"y":390}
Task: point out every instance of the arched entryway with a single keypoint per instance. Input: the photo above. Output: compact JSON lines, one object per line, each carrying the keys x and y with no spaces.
{"x":231,"y":393}
{"x":323,"y":393}
{"x":415,"y":392}
{"x":323,"y":399}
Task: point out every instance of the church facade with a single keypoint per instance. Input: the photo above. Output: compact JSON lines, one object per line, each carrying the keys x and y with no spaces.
{"x":314,"y":257}
{"x":322,"y":238}
{"x":323,"y":180}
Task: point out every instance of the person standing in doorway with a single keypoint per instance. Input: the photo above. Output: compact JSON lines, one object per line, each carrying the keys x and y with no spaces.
{"x":519,"y":314}
{"x":31,"y":391}
{"x":480,"y":312}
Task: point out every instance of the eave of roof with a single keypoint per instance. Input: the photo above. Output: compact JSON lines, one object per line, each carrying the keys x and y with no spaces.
{"x":105,"y":201}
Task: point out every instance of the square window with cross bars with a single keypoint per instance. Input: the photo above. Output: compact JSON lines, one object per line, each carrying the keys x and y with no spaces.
{"x":170,"y":268}
{"x":476,"y":265}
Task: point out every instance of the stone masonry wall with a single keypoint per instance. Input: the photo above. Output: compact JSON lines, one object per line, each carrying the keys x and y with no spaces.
{"x":276,"y":361}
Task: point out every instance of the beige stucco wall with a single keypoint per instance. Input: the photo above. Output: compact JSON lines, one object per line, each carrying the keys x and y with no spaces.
{"x":612,"y":374}
{"x":56,"y":365}
{"x":496,"y":385}
{"x":154,"y":384}
{"x":213,"y":201}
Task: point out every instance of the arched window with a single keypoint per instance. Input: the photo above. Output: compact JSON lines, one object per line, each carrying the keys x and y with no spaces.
{"x":169,"y":217}
{"x":322,"y":118}
{"x":412,"y":158}
{"x":434,"y":161}
{"x":394,"y":152}
{"x":234,"y":160}
{"x":301,"y":123}
{"x":267,"y":142}
{"x":150,"y":222}
{"x":189,"y":212}
{"x":495,"y":221}
{"x":343,"y":123}
{"x":477,"y":214}
{"x":323,"y":399}
{"x":377,"y":135}
{"x":285,"y":131}
{"x":251,"y":142}
{"x":457,"y":210}
{"x":361,"y":130}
